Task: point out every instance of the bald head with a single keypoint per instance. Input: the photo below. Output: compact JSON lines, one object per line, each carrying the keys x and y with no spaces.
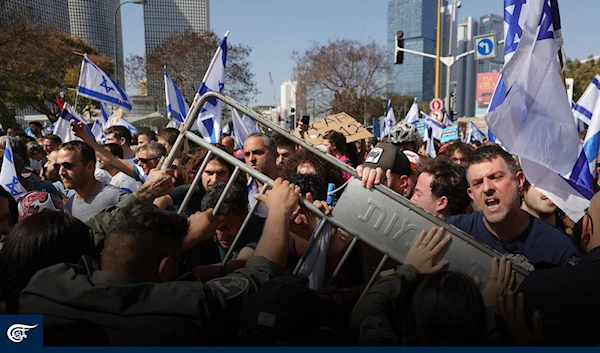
{"x":590,"y":237}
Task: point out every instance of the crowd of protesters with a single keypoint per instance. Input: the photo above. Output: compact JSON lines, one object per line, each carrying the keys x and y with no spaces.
{"x":97,"y":247}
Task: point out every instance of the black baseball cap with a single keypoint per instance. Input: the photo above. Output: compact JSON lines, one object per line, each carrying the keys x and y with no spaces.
{"x":387,"y":156}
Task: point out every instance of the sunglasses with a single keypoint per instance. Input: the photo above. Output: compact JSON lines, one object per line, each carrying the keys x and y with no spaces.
{"x":66,"y":165}
{"x":147,"y":160}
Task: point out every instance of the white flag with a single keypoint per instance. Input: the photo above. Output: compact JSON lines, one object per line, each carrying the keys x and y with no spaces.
{"x":389,"y":120}
{"x":413,"y":114}
{"x":530,"y":111}
{"x":242,"y":128}
{"x":177,"y":107}
{"x":209,"y":119}
{"x":95,"y":84}
{"x":8,"y":174}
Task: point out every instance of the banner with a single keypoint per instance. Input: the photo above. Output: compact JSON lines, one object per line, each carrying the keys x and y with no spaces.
{"x":341,"y":122}
{"x":486,"y":84}
{"x":449,"y":134}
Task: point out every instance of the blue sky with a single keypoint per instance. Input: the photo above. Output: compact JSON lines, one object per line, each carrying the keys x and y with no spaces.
{"x":275,"y":28}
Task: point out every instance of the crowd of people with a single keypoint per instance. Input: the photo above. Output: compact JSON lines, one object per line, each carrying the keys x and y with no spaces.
{"x":96,"y":245}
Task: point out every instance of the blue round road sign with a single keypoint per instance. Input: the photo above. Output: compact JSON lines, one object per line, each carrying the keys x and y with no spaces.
{"x":485,"y":47}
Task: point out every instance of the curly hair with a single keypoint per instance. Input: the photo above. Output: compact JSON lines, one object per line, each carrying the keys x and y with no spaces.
{"x":328,"y":172}
{"x":337,"y":139}
{"x":448,"y":180}
{"x":195,"y":161}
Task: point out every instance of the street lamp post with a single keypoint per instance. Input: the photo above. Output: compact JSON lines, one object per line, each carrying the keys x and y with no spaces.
{"x":141,"y":2}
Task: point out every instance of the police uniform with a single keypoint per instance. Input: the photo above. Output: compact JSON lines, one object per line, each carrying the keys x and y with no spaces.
{"x":119,"y":310}
{"x":376,"y":317}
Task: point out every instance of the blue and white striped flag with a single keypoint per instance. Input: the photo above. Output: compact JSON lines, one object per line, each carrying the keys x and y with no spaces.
{"x":242,"y":128}
{"x":446,"y":120}
{"x":108,"y":122}
{"x":8,"y":174}
{"x":413,"y":113}
{"x":104,"y":112}
{"x":591,"y":144}
{"x":98,"y":132}
{"x":209,"y":119}
{"x":586,"y":104}
{"x":389,"y":120}
{"x":435,"y":126}
{"x":177,"y":107}
{"x":530,"y":112}
{"x":475,"y":134}
{"x":95,"y":84}
{"x":62,"y":128}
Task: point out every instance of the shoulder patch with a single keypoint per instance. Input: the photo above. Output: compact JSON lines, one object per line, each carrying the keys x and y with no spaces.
{"x":373,"y":327}
{"x":374,"y":155}
{"x":231,"y":287}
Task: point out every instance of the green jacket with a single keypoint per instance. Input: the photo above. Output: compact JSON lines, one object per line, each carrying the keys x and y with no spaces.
{"x":376,"y":316}
{"x":103,"y":308}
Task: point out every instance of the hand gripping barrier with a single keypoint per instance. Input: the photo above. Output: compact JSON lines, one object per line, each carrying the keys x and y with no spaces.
{"x":379,"y":217}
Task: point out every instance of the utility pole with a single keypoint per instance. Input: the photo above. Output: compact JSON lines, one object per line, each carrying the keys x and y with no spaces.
{"x":455,"y":5}
{"x":438,"y":50}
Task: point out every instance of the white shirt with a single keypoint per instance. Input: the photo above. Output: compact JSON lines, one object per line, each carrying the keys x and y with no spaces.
{"x":125,"y":182}
{"x":261,"y":209}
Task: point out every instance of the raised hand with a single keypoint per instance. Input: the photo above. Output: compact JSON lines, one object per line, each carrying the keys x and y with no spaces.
{"x":426,"y":248}
{"x":500,"y":282}
{"x":515,"y":321}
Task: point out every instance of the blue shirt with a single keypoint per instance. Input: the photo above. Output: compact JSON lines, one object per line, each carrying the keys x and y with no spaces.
{"x":539,"y":242}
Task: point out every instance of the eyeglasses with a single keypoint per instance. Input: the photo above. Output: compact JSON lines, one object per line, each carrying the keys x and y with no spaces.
{"x":590,"y":218}
{"x":147,"y":160}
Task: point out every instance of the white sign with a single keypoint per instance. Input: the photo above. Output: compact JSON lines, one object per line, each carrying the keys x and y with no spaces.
{"x":485,"y":46}
{"x":437,"y":115}
{"x":436,"y":104}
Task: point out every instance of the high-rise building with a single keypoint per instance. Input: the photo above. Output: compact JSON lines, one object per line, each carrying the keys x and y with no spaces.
{"x":94,"y":21}
{"x":164,"y":19}
{"x":465,"y":68}
{"x":55,"y":13}
{"x":418,"y":20}
{"x":491,"y":23}
{"x":288,"y":97}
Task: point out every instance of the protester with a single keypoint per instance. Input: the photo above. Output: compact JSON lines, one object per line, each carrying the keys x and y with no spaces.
{"x":260,"y":151}
{"x":149,"y":155}
{"x":167,"y":137}
{"x":36,"y":129}
{"x":37,"y":156}
{"x":405,"y":136}
{"x":229,"y":143}
{"x":458,"y":152}
{"x":305,"y":162}
{"x":146,"y":136}
{"x":118,"y":178}
{"x":121,"y":136}
{"x":77,"y":165}
{"x":51,"y":143}
{"x":441,"y":188}
{"x":8,"y":214}
{"x":499,"y":222}
{"x":336,"y":143}
{"x":285,"y":149}
{"x":388,"y":165}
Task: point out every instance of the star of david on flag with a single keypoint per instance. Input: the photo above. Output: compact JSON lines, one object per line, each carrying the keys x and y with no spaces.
{"x":8,"y":174}
{"x":209,"y":119}
{"x":95,"y":84}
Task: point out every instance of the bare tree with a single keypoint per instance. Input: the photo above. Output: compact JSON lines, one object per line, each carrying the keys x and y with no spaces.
{"x":187,"y":57}
{"x":342,"y":75}
{"x":135,"y":70}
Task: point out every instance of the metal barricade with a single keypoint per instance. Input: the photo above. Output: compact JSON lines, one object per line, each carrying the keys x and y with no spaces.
{"x":378,"y":217}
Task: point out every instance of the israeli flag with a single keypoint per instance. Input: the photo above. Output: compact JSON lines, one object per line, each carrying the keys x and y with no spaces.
{"x":591,"y":144}
{"x":8,"y":174}
{"x":491,"y":137}
{"x":530,"y":111}
{"x":475,"y":134}
{"x":209,"y":119}
{"x":226,"y":129}
{"x":62,"y":128}
{"x":98,"y":132}
{"x":389,"y":120}
{"x":584,"y":107}
{"x":177,"y":107}
{"x":413,"y":113}
{"x":434,"y":125}
{"x":242,"y":128}
{"x":105,"y":115}
{"x":95,"y":84}
{"x":446,"y":120}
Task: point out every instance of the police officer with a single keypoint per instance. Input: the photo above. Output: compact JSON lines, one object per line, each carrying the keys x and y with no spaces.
{"x":135,"y":299}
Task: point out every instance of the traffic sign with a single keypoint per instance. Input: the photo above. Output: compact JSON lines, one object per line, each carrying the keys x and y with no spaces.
{"x":437,"y":115}
{"x":436,"y":104}
{"x":485,"y":46}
